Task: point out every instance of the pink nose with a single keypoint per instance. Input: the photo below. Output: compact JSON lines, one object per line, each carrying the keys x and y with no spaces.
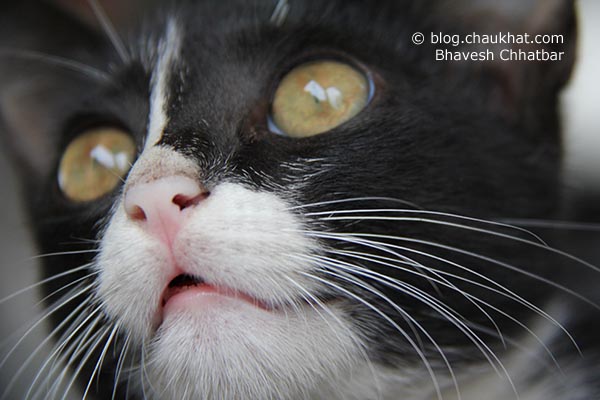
{"x":161,"y":205}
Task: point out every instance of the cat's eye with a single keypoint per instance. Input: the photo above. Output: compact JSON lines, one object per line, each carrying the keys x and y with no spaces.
{"x":94,"y":163}
{"x":318,"y":96}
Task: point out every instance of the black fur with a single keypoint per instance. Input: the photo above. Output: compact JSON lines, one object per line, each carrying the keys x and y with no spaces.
{"x":480,"y":140}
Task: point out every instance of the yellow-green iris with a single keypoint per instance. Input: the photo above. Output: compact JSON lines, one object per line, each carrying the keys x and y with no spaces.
{"x":94,"y":163}
{"x":318,"y":96}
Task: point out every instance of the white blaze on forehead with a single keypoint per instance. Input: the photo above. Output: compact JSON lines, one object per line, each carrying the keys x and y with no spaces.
{"x":168,"y":50}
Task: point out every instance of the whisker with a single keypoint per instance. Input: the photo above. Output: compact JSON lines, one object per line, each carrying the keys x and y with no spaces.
{"x":38,"y":348}
{"x":43,"y":282}
{"x":75,"y":282}
{"x":64,"y":253}
{"x":73,"y":351}
{"x":420,"y":354}
{"x":504,"y":291}
{"x":82,"y":240}
{"x":109,"y":30}
{"x":481,"y":257}
{"x":72,"y":65}
{"x":91,"y":348}
{"x":310,"y":299}
{"x":411,"y":290}
{"x":513,"y":295}
{"x":435,"y":272}
{"x":444,"y":223}
{"x":130,"y":373}
{"x":426,"y":220}
{"x":548,"y":224}
{"x":280,"y":12}
{"x":483,"y":302}
{"x":509,"y":237}
{"x":143,"y":373}
{"x":439,"y":307}
{"x":41,"y":319}
{"x":513,"y":268}
{"x":418,"y":266}
{"x":355,"y":199}
{"x":446,"y":283}
{"x":100,"y":360}
{"x":120,"y":362}
{"x":422,"y":269}
{"x":406,"y":260}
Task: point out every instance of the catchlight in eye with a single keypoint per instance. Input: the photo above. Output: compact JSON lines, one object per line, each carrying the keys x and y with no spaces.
{"x":94,"y":163}
{"x":318,"y":96}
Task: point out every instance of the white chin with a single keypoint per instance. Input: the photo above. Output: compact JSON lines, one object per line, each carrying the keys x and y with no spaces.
{"x":237,"y":350}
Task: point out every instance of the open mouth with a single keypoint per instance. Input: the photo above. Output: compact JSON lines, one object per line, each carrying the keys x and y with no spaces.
{"x":186,"y":282}
{"x":181,"y":283}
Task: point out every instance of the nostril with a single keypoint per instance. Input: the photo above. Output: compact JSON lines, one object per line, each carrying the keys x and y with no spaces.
{"x":185,"y":201}
{"x":137,"y":213}
{"x":161,"y":200}
{"x":157,"y":206}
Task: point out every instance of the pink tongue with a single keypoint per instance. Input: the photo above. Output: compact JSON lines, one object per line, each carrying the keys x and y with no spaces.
{"x":172,"y":291}
{"x":206,"y":288}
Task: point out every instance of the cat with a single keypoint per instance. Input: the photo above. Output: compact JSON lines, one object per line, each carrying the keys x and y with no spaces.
{"x":292,"y":200}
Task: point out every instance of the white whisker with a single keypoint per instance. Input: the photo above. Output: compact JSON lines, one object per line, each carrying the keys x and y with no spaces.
{"x":91,"y":348}
{"x":68,"y":285}
{"x":475,"y":299}
{"x":38,"y":348}
{"x":48,"y":59}
{"x":444,"y":282}
{"x":430,"y":301}
{"x":120,"y":362}
{"x":509,"y":237}
{"x":514,"y":296}
{"x":310,"y":299}
{"x":355,"y":199}
{"x":416,"y":293}
{"x":329,"y":216}
{"x":52,"y":310}
{"x":100,"y":360}
{"x":110,"y":30}
{"x":420,"y":354}
{"x":64,"y":253}
{"x":549,"y":224}
{"x":68,"y":346}
{"x":42,"y":282}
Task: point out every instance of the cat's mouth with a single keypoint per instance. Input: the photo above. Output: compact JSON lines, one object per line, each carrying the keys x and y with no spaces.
{"x":180,"y":284}
{"x":191,"y":284}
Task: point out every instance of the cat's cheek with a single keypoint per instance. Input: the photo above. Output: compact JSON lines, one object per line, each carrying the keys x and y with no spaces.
{"x":132,"y":270}
{"x":245,"y":240}
{"x":251,"y":241}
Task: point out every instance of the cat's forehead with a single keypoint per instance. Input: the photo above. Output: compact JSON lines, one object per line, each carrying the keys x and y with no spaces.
{"x":203,"y":79}
{"x":213,"y":63}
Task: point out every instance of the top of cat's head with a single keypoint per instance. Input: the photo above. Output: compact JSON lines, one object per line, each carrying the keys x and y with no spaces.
{"x":214,"y":40}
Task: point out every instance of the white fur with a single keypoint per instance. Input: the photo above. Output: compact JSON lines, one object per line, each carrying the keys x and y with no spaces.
{"x":239,"y":238}
{"x":242,"y":239}
{"x":249,"y":354}
{"x":249,"y":240}
{"x":168,"y":50}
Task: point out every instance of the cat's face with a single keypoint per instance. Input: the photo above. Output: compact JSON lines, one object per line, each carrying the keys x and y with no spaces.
{"x":279,"y":223}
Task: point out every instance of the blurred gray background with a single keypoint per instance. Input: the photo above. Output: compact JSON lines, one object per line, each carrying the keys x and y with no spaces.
{"x":581,"y":110}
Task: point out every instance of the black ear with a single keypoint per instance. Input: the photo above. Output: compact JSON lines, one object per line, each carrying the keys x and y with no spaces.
{"x":525,"y":84}
{"x":46,"y":59}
